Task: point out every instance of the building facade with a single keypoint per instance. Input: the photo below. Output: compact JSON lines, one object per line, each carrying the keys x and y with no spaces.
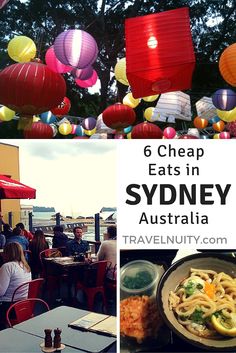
{"x":10,"y":167}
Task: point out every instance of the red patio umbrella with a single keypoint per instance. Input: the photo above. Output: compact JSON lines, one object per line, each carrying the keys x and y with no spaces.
{"x":12,"y":189}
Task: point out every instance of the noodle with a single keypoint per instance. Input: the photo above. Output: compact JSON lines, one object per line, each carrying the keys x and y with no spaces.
{"x":200,"y":296}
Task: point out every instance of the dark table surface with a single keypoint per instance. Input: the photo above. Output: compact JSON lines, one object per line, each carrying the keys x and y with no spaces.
{"x":61,"y":317}
{"x":14,"y":341}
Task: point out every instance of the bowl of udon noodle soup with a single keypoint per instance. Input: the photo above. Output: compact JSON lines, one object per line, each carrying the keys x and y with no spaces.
{"x":197,"y":300}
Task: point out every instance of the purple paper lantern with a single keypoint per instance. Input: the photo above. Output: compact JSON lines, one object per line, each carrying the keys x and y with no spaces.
{"x":224,"y":99}
{"x":88,"y":83}
{"x":54,"y":64}
{"x":89,"y":123}
{"x":76,"y":48}
{"x":82,"y":74}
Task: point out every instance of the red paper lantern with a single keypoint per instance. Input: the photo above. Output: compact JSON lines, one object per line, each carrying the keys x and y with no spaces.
{"x":31,"y":88}
{"x":159,"y":52}
{"x":63,"y":108}
{"x":146,"y":131}
{"x":118,"y":116}
{"x":39,"y":130}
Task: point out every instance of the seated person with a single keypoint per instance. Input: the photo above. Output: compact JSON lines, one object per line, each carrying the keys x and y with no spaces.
{"x":77,"y":245}
{"x":59,"y":238}
{"x":18,"y":237}
{"x":108,"y":251}
{"x":14,"y":272}
{"x":26,"y":233}
{"x":37,"y":245}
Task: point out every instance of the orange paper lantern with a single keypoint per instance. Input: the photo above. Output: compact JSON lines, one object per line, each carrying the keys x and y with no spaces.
{"x":227,"y":64}
{"x":159,"y":52}
{"x":200,"y":123}
{"x":219,"y":126}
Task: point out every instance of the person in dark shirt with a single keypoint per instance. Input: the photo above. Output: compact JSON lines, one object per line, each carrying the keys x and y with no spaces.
{"x":59,"y":238}
{"x":77,"y":245}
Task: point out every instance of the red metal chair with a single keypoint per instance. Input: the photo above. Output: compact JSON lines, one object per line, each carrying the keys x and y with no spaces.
{"x":93,"y":283}
{"x":110,"y":285}
{"x":24,"y":310}
{"x":52,"y":281}
{"x":34,"y":289}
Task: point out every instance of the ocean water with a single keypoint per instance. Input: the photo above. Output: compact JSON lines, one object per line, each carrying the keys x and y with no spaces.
{"x":43,"y":215}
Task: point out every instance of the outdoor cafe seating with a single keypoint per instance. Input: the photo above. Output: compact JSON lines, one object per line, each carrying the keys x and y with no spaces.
{"x":28,"y":335}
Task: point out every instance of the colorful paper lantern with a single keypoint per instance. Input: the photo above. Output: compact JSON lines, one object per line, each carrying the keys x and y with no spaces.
{"x":174,"y":105}
{"x":3,"y":3}
{"x":39,"y":130}
{"x":227,"y":64}
{"x":89,"y":123}
{"x":227,"y":116}
{"x":187,"y":137}
{"x":219,"y":126}
{"x":169,"y":132}
{"x":205,"y":108}
{"x":128,"y":129}
{"x":214,"y":120}
{"x":159,"y":52}
{"x":31,"y":88}
{"x":63,"y":108}
{"x":79,"y":131}
{"x":120,"y":72}
{"x":224,"y":135}
{"x":88,"y":83}
{"x":224,"y":99}
{"x":82,"y":74}
{"x":118,"y":116}
{"x":200,"y":123}
{"x":146,"y":131}
{"x":231,"y":127}
{"x":216,"y":136}
{"x":150,"y":114}
{"x":54,"y":64}
{"x":48,"y":117}
{"x":76,"y":48}
{"x":130,"y":100}
{"x":21,"y":49}
{"x":90,"y":132}
{"x":150,"y":98}
{"x":65,"y":129}
{"x":6,"y":114}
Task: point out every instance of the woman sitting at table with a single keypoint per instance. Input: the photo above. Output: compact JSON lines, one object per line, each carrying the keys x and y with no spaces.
{"x":108,"y":251}
{"x":14,"y":272}
{"x":37,"y":244}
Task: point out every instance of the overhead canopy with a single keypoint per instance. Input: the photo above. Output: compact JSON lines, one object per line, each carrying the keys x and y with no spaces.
{"x":12,"y":189}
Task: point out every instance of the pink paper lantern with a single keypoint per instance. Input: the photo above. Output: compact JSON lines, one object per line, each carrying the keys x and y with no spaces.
{"x":224,"y":135}
{"x":88,"y":83}
{"x":3,"y":3}
{"x":231,"y":127}
{"x":76,"y":48}
{"x":54,"y":64}
{"x":169,"y":132}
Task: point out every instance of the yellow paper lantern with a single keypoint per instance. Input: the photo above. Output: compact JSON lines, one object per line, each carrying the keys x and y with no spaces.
{"x":90,"y":132}
{"x":120,"y":72}
{"x":151,"y":114}
{"x":21,"y":49}
{"x":36,"y":118}
{"x":6,"y":114}
{"x":129,"y":136}
{"x":150,"y":98}
{"x":131,"y":101}
{"x":216,"y":136}
{"x":227,"y":64}
{"x":227,"y":116}
{"x":65,"y":128}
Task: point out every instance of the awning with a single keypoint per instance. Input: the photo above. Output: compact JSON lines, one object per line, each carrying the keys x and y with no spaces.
{"x":12,"y":189}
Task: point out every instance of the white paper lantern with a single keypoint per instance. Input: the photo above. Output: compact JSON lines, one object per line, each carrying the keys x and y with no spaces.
{"x":205,"y":108}
{"x":174,"y":105}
